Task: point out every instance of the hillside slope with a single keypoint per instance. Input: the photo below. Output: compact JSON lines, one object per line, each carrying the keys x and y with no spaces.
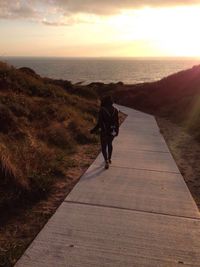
{"x":176,"y":97}
{"x":42,"y":121}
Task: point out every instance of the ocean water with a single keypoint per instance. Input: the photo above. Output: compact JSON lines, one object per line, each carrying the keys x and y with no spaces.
{"x":87,"y":70}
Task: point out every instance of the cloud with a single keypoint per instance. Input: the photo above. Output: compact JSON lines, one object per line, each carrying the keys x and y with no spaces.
{"x":54,"y":23}
{"x":62,"y":12}
{"x":71,"y":20}
{"x":16,"y":9}
{"x":108,"y":7}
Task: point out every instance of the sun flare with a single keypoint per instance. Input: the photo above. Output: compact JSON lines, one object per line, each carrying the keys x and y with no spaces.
{"x":171,"y":31}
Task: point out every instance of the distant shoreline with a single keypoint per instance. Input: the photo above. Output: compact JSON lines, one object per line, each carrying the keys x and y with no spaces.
{"x":104,"y":58}
{"x":104,"y":70}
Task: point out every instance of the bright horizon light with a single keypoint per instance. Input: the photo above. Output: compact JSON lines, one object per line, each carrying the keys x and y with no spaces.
{"x":143,"y":32}
{"x":166,"y":31}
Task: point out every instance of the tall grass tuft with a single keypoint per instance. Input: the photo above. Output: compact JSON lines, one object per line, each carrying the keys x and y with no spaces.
{"x":9,"y":173}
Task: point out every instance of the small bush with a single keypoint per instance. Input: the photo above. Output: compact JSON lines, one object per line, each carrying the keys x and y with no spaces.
{"x":19,"y":110}
{"x":86,"y":92}
{"x":40,"y":183}
{"x":7,"y":120}
{"x":9,"y":173}
{"x":60,"y":137}
{"x":80,"y":133}
{"x":30,"y":72}
{"x":66,"y":85}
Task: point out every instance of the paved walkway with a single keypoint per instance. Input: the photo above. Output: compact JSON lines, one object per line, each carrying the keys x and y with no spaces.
{"x":138,"y":213}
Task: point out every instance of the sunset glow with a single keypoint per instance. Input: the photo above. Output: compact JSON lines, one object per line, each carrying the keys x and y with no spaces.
{"x":142,"y":32}
{"x":169,"y":31}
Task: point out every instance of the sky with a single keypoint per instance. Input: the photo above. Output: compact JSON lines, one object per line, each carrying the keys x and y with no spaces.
{"x":100,"y":28}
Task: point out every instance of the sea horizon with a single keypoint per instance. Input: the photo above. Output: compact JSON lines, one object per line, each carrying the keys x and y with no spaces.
{"x":129,"y":70}
{"x":107,"y":57}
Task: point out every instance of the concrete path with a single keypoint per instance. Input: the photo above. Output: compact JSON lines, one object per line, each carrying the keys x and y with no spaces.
{"x":138,"y":213}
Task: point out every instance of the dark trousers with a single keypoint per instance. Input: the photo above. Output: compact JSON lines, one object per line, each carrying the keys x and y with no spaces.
{"x":106,"y":146}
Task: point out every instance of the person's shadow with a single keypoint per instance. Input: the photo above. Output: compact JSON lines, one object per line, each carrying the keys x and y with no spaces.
{"x":94,"y":172}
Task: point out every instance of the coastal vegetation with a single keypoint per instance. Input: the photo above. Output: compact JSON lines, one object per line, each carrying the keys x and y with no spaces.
{"x":176,"y":97}
{"x":45,"y":145}
{"x":41,"y":123}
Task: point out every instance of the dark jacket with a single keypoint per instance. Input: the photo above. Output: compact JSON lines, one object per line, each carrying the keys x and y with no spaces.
{"x":107,"y":120}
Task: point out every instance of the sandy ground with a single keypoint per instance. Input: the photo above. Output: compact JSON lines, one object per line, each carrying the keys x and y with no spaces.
{"x":186,"y":152}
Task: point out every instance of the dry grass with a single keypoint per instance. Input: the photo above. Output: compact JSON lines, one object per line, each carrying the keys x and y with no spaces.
{"x":42,"y":123}
{"x":7,"y":169}
{"x":45,"y":145}
{"x":176,"y":97}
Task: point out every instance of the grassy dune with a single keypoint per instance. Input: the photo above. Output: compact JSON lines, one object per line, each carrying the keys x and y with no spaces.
{"x":45,"y":146}
{"x":176,"y":97}
{"x":42,"y":122}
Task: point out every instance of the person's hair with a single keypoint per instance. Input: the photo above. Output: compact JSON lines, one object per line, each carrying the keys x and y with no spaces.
{"x":106,"y":101}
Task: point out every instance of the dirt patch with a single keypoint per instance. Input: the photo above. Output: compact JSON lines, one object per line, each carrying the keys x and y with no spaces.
{"x":186,"y":152}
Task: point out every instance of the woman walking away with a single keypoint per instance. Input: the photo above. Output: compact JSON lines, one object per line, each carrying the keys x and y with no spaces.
{"x":108,"y":125}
